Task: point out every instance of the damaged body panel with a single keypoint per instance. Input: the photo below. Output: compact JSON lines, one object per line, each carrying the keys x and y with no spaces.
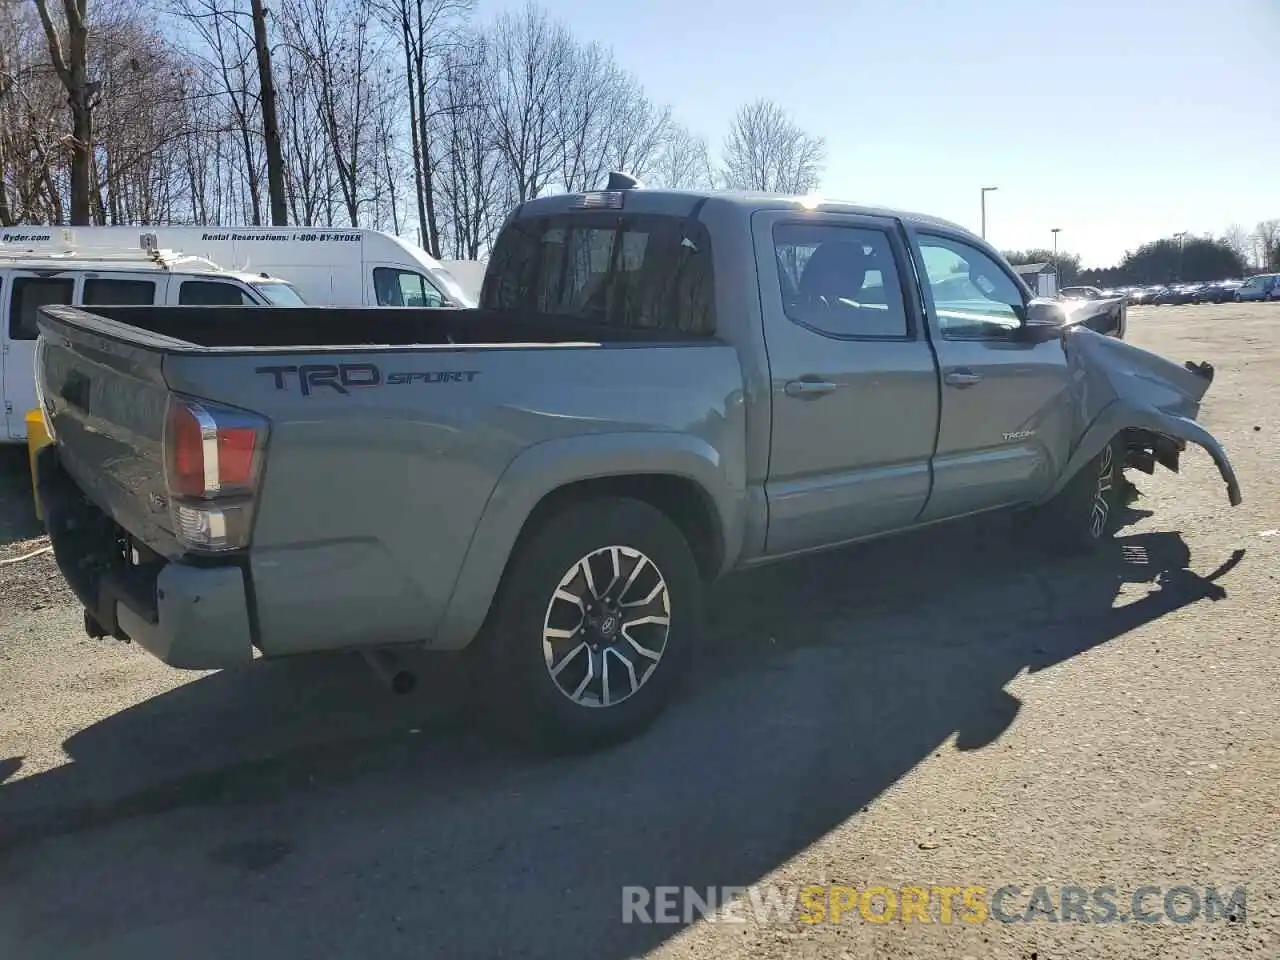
{"x":1120,"y":389}
{"x":657,"y":389}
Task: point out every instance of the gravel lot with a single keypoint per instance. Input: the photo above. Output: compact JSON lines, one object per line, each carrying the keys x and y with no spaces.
{"x":956,"y":709}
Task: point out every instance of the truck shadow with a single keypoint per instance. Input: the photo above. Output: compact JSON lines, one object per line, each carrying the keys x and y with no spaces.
{"x":820,"y":684}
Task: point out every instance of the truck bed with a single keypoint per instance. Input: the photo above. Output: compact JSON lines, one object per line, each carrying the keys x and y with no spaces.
{"x":311,"y":328}
{"x":386,"y":434}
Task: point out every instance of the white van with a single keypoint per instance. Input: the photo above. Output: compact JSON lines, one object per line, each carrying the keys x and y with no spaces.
{"x":469,"y":274}
{"x":94,"y":277}
{"x":328,"y":267}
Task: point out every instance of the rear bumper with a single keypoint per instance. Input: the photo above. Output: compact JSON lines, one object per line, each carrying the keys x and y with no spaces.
{"x":192,"y":617}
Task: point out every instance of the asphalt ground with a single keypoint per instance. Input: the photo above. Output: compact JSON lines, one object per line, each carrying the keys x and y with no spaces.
{"x":955,"y":709}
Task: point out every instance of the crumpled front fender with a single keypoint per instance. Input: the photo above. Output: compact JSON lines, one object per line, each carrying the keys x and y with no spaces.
{"x":1117,"y":386}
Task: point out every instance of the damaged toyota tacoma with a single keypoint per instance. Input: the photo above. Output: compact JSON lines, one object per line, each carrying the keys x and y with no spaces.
{"x":658,"y":388}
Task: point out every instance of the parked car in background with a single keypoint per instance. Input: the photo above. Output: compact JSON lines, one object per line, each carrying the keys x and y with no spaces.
{"x":1177,"y":294}
{"x":1219,"y":291}
{"x":1265,"y":286}
{"x":1224,"y":291}
{"x":1081,"y":293}
{"x":1203,"y":293}
{"x":1144,"y":295}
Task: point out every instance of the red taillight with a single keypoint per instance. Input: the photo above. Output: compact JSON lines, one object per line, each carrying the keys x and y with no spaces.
{"x":213,"y":456}
{"x":212,"y":452}
{"x":185,"y":447}
{"x":236,"y":449}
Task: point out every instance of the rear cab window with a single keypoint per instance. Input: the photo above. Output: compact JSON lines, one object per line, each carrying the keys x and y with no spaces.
{"x":642,"y":271}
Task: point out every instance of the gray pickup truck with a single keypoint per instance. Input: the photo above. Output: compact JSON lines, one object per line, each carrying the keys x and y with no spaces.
{"x":657,"y":388}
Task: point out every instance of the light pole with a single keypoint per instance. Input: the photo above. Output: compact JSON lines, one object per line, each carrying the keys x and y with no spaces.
{"x":1179,"y":237}
{"x":1057,"y":270}
{"x":985,"y":191}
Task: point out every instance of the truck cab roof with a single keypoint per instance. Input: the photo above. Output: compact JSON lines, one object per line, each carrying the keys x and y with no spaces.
{"x":684,"y":202}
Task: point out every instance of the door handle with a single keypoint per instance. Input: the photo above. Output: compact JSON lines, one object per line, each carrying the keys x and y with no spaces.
{"x":962,"y":378}
{"x":808,"y":389}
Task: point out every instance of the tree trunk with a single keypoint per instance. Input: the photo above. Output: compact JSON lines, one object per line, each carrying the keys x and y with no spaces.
{"x":81,"y":157}
{"x":270,"y":123}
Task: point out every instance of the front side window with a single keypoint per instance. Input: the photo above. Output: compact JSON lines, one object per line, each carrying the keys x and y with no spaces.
{"x":973,"y":297}
{"x":28,"y":295}
{"x":404,"y":288}
{"x":840,"y":281}
{"x":638,"y":271}
{"x":212,"y":293}
{"x":99,"y":292}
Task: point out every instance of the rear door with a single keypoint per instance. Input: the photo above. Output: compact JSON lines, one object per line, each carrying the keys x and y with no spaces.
{"x":24,"y":294}
{"x":1006,"y":423}
{"x":853,"y":381}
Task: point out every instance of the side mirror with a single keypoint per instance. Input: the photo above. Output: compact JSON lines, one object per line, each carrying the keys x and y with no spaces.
{"x":1042,"y":319}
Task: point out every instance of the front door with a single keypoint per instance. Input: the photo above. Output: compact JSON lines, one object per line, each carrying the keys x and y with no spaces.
{"x":397,"y":287}
{"x":25,"y":293}
{"x":1006,"y":422}
{"x":853,"y":383}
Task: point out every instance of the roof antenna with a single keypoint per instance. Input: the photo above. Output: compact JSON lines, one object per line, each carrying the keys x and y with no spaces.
{"x":622,"y":181}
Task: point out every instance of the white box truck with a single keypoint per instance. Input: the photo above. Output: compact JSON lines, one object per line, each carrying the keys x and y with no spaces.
{"x":328,"y":267}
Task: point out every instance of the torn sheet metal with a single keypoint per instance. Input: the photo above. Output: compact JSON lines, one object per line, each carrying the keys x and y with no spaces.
{"x":1118,"y":386}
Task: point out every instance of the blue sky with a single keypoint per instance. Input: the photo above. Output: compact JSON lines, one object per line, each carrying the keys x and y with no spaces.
{"x":1119,"y":122}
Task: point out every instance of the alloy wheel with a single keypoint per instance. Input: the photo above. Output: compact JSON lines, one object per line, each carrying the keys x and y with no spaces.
{"x":606,"y":626}
{"x":1101,"y":494}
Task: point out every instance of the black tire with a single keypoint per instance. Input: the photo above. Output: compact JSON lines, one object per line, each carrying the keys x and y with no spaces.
{"x":509,"y":668}
{"x":1084,"y":514}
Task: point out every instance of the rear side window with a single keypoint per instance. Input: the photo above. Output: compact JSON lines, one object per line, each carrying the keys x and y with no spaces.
{"x":404,"y":288}
{"x":28,"y":295}
{"x":633,"y":270}
{"x":212,"y":293}
{"x":840,"y":281}
{"x":118,"y":293}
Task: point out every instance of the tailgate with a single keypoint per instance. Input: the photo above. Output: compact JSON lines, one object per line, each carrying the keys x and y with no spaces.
{"x":106,"y":401}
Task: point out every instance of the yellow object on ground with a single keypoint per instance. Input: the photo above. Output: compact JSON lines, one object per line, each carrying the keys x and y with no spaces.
{"x":36,"y":438}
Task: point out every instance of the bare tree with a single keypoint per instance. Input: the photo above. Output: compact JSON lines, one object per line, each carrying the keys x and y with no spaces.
{"x":71,"y":62}
{"x":224,"y":45}
{"x":1237,"y":239}
{"x":765,"y":150}
{"x":532,"y":63}
{"x":1268,"y":236}
{"x":475,"y":185}
{"x":684,"y":163}
{"x":345,"y":69}
{"x":270,"y":123}
{"x":32,"y":103}
{"x":425,"y":30}
{"x":180,"y":130}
